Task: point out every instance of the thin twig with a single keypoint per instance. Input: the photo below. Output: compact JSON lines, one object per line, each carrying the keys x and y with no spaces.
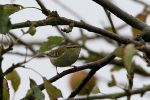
{"x":44,"y":10}
{"x":22,"y":42}
{"x":3,"y":51}
{"x":110,"y":20}
{"x":68,"y":9}
{"x":143,"y":3}
{"x":116,"y":95}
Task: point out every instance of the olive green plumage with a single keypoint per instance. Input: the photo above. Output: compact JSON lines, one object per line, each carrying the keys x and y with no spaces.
{"x":65,"y":55}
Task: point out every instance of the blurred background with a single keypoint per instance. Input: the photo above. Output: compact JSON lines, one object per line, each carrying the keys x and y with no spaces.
{"x":91,"y":13}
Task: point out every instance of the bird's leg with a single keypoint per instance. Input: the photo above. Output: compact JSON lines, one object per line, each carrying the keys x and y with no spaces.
{"x":74,"y":66}
{"x":57,"y":71}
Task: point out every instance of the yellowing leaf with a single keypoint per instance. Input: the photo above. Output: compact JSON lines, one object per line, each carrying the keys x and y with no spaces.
{"x":112,"y":82}
{"x":84,"y":38}
{"x":129,"y":53}
{"x":116,"y":68}
{"x":141,"y":16}
{"x":14,"y":78}
{"x":93,"y":57}
{"x":96,"y":90}
{"x":119,"y":52}
{"x":52,"y":91}
{"x":6,"y":94}
{"x":108,"y":29}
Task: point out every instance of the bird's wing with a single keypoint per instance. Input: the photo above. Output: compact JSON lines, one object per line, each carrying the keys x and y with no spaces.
{"x":57,"y":52}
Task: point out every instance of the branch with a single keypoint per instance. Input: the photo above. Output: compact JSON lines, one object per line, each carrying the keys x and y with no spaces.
{"x":44,"y":10}
{"x":129,"y":19}
{"x":142,"y":2}
{"x":138,"y":68}
{"x":116,"y":95}
{"x":10,"y":69}
{"x":68,"y":9}
{"x":36,"y":43}
{"x":64,"y":21}
{"x":2,"y":52}
{"x":23,"y":43}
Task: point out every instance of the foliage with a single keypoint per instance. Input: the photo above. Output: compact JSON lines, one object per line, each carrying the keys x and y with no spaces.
{"x":81,"y":82}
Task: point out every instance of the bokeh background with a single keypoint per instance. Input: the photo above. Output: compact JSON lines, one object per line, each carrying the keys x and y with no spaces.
{"x":91,"y":13}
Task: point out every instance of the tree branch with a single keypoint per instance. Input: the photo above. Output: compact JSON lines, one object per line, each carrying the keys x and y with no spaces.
{"x":44,"y":10}
{"x":116,"y":95}
{"x":64,"y":21}
{"x":23,"y":43}
{"x":129,"y":19}
{"x":2,"y":52}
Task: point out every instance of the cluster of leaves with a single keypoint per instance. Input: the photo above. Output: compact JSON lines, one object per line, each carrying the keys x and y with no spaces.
{"x":13,"y":77}
{"x":125,"y":52}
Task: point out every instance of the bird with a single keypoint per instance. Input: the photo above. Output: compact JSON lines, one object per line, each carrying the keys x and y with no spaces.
{"x":65,"y":55}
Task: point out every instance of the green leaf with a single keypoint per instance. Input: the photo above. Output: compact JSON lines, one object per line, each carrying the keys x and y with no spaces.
{"x":5,"y":12}
{"x":119,"y":52}
{"x":6,"y":94}
{"x":116,"y":68}
{"x":129,"y":53}
{"x":14,"y":78}
{"x":37,"y":94}
{"x":93,"y":57}
{"x":52,"y":42}
{"x":5,"y":24}
{"x":84,"y":38}
{"x":9,"y":9}
{"x":52,"y":91}
{"x":112,"y":82}
{"x":32,"y":30}
{"x":96,"y":90}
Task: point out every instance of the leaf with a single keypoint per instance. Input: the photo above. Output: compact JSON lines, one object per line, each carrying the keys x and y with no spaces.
{"x":96,"y":90}
{"x":14,"y":78}
{"x":112,"y":82}
{"x":9,"y":9}
{"x":52,"y":91}
{"x":93,"y":57}
{"x":52,"y":42}
{"x":5,"y":24}
{"x":84,"y":38}
{"x":142,"y":17}
{"x":109,"y":29}
{"x":5,"y":12}
{"x":129,"y":53}
{"x":32,"y":30}
{"x":116,"y":68}
{"x":119,"y":52}
{"x":37,"y":94}
{"x":6,"y":94}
